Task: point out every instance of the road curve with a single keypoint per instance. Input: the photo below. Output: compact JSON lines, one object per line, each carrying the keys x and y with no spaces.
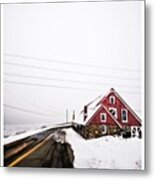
{"x":47,"y":149}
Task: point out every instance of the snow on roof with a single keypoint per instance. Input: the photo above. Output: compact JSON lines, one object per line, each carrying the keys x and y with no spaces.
{"x":92,"y":111}
{"x":103,"y":97}
{"x":92,"y":108}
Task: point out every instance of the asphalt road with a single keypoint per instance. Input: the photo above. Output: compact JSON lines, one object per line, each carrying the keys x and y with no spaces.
{"x":46,"y":149}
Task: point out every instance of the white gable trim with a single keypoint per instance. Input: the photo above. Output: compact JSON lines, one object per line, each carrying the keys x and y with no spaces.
{"x":102,"y":106}
{"x":125,"y":104}
{"x":128,"y":107}
{"x":115,"y":120}
{"x":116,"y":113}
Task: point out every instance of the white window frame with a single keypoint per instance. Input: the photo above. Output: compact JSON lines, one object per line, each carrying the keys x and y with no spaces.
{"x":105,"y":115}
{"x":105,"y":129}
{"x":112,"y":108}
{"x":124,"y":121}
{"x":114,"y":100}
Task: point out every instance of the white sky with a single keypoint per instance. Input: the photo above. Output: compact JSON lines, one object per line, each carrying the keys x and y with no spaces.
{"x":109,"y":35}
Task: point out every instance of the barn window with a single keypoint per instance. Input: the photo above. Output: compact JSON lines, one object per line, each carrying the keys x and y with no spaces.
{"x":112,"y":99}
{"x":124,"y":115}
{"x":103,"y":117}
{"x":103,"y":129}
{"x":113,"y":112}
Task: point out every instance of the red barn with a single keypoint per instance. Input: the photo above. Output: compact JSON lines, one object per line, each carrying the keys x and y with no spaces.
{"x":113,"y":111}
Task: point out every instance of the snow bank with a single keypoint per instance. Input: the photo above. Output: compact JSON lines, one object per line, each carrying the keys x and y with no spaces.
{"x":105,"y":152}
{"x":26,"y":133}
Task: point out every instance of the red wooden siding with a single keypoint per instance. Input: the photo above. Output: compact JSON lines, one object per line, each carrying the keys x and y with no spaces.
{"x":119,"y":105}
{"x":95,"y":119}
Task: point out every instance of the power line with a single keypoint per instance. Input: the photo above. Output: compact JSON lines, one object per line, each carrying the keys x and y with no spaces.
{"x":52,"y":86}
{"x":63,"y":80}
{"x":60,"y":87}
{"x":70,"y":63}
{"x":26,"y":99}
{"x":69,"y":71}
{"x":26,"y":110}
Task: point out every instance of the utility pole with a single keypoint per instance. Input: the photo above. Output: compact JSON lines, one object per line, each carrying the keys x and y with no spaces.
{"x":85,"y":113}
{"x":73,"y":117}
{"x":66,"y":115}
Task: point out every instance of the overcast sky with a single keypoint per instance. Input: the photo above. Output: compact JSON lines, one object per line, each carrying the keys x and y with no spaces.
{"x":70,"y":53}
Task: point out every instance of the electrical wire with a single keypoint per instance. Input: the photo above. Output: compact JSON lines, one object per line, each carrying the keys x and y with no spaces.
{"x":64,"y":80}
{"x":70,"y":72}
{"x":61,"y":87}
{"x":70,"y":63}
{"x":26,"y":110}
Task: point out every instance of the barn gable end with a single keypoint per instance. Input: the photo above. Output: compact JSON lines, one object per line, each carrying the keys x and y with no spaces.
{"x":113,"y":101}
{"x":97,"y":119}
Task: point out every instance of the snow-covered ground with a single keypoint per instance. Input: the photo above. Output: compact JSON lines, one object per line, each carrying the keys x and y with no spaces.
{"x":21,"y":134}
{"x":14,"y":129}
{"x":13,"y":133}
{"x":102,"y":153}
{"x":106,"y":152}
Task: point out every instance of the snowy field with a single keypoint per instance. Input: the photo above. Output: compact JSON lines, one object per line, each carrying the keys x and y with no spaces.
{"x":105,"y":152}
{"x":15,"y":129}
{"x":14,"y":133}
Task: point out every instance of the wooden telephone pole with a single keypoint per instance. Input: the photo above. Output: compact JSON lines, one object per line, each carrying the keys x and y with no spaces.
{"x":66,"y":115}
{"x":73,"y":116}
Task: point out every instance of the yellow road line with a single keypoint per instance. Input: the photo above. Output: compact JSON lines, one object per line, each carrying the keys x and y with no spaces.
{"x":29,"y":152}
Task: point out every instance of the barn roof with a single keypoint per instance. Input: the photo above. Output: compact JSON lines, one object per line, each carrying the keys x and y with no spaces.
{"x":92,"y":108}
{"x":91,"y":111}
